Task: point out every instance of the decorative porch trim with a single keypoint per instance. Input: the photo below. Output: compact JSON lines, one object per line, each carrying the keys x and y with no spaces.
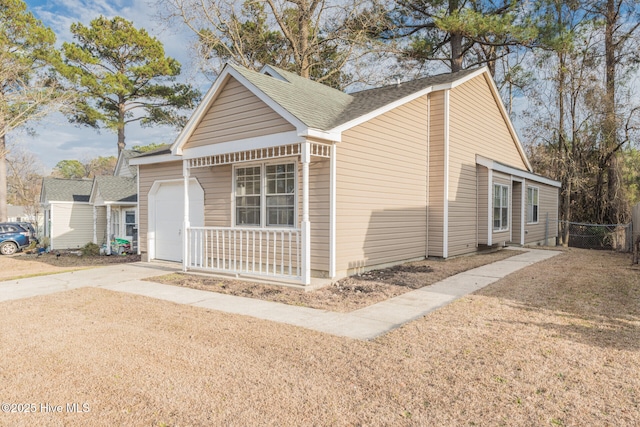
{"x":316,"y":149}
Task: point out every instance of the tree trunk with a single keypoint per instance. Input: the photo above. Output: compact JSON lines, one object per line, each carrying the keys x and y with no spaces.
{"x":121,"y":114}
{"x":3,"y":179}
{"x":455,"y":41}
{"x":613,"y":205}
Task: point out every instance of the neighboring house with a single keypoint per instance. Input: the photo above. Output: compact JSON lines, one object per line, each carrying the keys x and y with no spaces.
{"x":115,"y":202}
{"x":68,"y":215}
{"x":31,"y":214}
{"x":99,"y":210}
{"x":288,"y":179}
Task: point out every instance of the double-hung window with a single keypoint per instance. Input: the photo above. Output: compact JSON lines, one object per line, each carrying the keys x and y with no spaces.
{"x":265,"y":195}
{"x":532,"y":205}
{"x":500,"y":207}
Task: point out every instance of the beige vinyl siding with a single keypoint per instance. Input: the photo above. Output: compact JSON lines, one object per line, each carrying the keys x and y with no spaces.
{"x":381,"y":189}
{"x":148,"y":174}
{"x":71,"y":225}
{"x":236,"y":114}
{"x":476,"y":127}
{"x":516,"y":211}
{"x":548,"y":208}
{"x":101,"y":224}
{"x":483,"y":205}
{"x":436,"y":175}
{"x":319,"y":200}
{"x":218,"y":187}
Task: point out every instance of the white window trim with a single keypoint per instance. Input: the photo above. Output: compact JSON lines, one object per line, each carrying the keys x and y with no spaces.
{"x":493,"y":198}
{"x":263,"y":192}
{"x":536,"y":188}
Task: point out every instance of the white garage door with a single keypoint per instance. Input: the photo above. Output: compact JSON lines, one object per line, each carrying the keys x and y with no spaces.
{"x":169,"y":214}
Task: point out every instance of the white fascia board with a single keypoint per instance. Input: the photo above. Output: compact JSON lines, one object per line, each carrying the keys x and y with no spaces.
{"x":163,"y":158}
{"x":480,"y":71}
{"x":198,"y":114}
{"x":407,"y":99}
{"x":507,"y":120}
{"x":499,"y":167}
{"x":66,"y":202}
{"x":212,"y":94}
{"x":285,"y":114}
{"x":116,"y":203}
{"x":384,"y":109}
{"x":266,"y":141}
{"x":94,"y":192}
{"x":332,"y":136}
{"x":118,"y":164}
{"x":268,"y":69}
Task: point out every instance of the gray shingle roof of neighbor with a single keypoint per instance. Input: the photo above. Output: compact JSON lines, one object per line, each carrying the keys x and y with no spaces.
{"x":67,"y":190}
{"x":321,"y":107}
{"x":164,"y":149}
{"x":117,"y":188}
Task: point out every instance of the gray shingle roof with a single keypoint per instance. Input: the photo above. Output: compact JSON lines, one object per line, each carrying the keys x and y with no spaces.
{"x":324,"y":108}
{"x":66,"y":190}
{"x":117,"y":188}
{"x":163,"y":149}
{"x":314,"y":104}
{"x":370,"y":100}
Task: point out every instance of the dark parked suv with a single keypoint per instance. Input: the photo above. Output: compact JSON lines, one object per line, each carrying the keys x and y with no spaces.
{"x":14,"y":237}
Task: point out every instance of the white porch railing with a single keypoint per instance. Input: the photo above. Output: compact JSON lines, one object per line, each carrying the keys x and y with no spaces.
{"x":256,"y":251}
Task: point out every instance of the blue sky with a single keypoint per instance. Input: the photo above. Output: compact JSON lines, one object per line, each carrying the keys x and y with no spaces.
{"x":55,"y":138}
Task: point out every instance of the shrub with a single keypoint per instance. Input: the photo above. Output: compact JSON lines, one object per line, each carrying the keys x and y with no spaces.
{"x":90,"y":249}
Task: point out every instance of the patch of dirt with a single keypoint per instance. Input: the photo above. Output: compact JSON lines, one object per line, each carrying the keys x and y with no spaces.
{"x":348,"y":294}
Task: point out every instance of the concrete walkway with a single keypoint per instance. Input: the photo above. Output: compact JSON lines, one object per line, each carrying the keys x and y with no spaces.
{"x":364,"y":324}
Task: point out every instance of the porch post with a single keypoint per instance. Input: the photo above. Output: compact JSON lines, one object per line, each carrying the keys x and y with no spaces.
{"x":108,"y":229}
{"x":185,"y":225}
{"x":306,"y":225}
{"x":332,"y":212}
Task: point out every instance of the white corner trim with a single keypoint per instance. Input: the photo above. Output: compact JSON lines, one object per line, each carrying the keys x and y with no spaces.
{"x":445,"y":224}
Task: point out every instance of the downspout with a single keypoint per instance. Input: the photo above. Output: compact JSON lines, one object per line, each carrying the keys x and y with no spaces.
{"x":426,"y":252}
{"x":523,"y":207}
{"x":185,"y":224}
{"x":138,"y":208}
{"x":489,"y":207}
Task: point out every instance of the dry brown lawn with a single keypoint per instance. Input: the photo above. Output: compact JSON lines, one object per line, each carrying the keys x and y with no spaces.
{"x":347,"y":294}
{"x":556,"y":344}
{"x":27,"y":265}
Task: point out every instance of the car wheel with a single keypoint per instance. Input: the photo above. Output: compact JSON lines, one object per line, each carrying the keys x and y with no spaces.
{"x":8,"y":248}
